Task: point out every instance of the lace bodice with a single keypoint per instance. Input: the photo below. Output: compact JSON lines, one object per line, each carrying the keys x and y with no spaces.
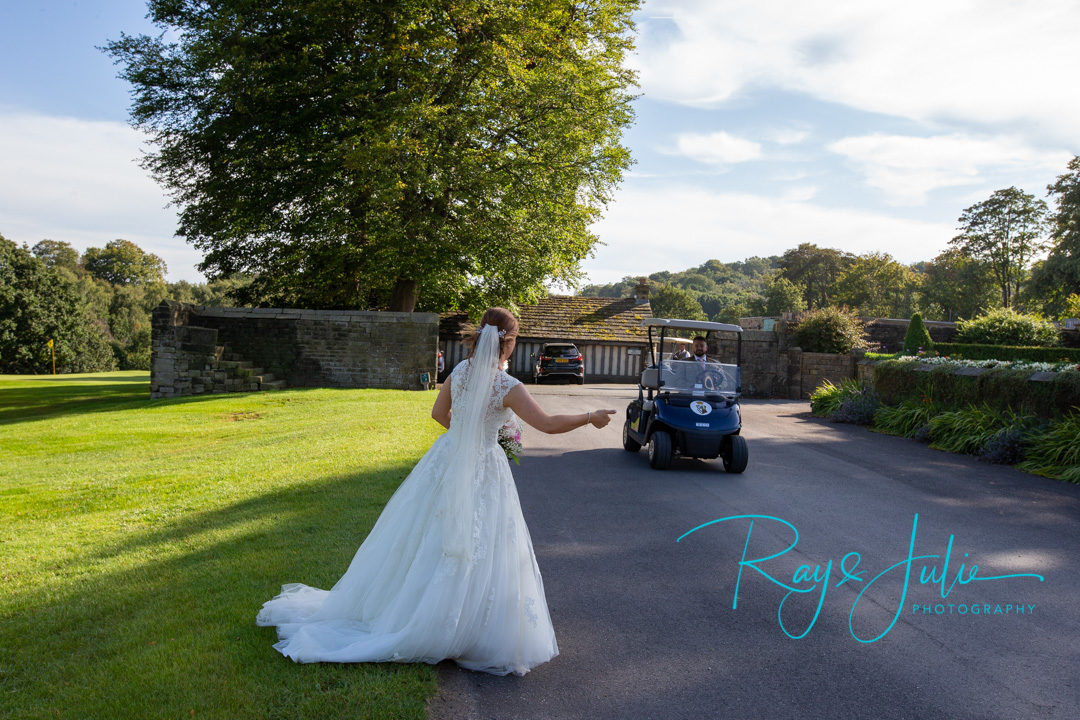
{"x":497,"y":415}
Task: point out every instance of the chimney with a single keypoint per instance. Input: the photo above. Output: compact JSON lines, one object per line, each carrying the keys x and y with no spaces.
{"x":641,"y":292}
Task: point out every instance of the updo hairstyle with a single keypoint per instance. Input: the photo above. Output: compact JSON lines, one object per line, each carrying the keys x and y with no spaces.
{"x":502,"y":319}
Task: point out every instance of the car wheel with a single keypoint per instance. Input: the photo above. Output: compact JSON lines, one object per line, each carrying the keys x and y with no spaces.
{"x":660,"y":450}
{"x":581,"y":380}
{"x":737,"y":455}
{"x":629,"y":444}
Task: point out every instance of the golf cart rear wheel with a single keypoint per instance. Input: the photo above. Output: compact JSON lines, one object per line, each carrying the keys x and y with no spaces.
{"x":660,"y":450}
{"x":736,"y":454}
{"x":629,"y":444}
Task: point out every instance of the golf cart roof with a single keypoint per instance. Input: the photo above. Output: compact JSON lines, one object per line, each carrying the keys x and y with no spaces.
{"x":689,"y":324}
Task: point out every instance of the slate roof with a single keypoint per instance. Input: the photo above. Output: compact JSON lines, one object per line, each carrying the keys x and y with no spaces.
{"x":569,"y":317}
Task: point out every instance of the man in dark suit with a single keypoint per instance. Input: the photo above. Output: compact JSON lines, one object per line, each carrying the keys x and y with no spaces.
{"x":701,"y":346}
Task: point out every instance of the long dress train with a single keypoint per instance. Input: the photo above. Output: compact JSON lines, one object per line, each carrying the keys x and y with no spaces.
{"x":404,"y":599}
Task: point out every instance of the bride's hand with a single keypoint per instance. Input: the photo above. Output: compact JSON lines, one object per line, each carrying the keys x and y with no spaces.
{"x":600,"y":418}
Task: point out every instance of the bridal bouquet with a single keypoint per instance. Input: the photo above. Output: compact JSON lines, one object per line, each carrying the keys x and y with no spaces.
{"x":510,"y":439}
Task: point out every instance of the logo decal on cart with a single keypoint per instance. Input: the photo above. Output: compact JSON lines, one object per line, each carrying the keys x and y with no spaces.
{"x":701,"y":407}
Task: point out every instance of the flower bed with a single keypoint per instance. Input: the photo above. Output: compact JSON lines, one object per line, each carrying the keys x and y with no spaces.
{"x":973,"y":351}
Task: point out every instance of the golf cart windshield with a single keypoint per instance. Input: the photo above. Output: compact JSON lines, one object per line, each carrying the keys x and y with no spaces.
{"x":692,"y":376}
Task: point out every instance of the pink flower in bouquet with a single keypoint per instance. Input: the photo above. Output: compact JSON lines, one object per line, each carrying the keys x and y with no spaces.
{"x":510,"y":440}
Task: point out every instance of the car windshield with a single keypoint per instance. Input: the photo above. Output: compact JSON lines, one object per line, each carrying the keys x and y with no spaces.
{"x":694,"y":376}
{"x":561,"y":351}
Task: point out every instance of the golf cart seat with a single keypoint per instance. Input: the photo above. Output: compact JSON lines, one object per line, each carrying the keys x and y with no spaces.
{"x":650,"y":379}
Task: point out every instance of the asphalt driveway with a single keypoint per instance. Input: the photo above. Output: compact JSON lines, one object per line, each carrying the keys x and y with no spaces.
{"x":646,"y":625}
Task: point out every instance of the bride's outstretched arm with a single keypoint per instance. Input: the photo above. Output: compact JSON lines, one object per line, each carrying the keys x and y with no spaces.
{"x":440,"y":411}
{"x":521,"y":402}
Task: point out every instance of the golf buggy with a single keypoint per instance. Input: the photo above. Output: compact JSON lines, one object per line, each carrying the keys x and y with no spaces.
{"x":686,"y":407}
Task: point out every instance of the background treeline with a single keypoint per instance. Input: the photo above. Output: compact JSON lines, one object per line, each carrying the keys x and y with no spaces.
{"x":991,"y":263}
{"x":95,"y":306}
{"x":810,"y":277}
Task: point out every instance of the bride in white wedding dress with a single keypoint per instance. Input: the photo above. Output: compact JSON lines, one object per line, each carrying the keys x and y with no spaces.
{"x":448,"y":570}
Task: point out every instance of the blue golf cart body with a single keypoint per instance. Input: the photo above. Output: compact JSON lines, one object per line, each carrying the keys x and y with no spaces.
{"x":688,"y":408}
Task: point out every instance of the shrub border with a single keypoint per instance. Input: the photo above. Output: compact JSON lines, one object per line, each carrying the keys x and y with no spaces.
{"x":1049,"y":395}
{"x":973,"y":351}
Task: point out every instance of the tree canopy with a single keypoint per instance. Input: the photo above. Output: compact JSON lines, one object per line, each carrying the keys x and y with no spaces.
{"x":668,"y":301}
{"x":1005,"y":232}
{"x":1057,"y":277}
{"x":877,"y":285}
{"x":122,"y":262}
{"x":56,"y":253}
{"x":39,"y":303}
{"x":359,"y":154}
{"x":816,"y":270}
{"x":955,"y":285}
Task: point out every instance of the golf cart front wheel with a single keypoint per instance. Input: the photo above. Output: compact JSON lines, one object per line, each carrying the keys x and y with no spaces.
{"x":660,"y":450}
{"x":736,"y":454}
{"x":629,"y":444}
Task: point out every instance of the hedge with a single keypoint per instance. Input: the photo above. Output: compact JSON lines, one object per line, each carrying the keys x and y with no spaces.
{"x":955,"y":388}
{"x":971,"y":351}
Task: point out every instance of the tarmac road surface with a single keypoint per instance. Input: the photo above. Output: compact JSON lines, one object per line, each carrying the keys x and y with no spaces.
{"x":646,"y":626}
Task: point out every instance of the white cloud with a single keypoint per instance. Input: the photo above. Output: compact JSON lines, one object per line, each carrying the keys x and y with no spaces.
{"x":788,"y":136}
{"x":907,"y":168}
{"x":800,"y":193}
{"x":991,"y":61}
{"x":648,"y":229}
{"x":717,"y":148}
{"x":79,"y":181}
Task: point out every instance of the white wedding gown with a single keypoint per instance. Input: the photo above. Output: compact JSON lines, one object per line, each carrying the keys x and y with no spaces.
{"x":403,"y":599}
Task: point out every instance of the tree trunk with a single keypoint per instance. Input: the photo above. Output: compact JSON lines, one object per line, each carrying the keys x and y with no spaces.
{"x":404,"y":299}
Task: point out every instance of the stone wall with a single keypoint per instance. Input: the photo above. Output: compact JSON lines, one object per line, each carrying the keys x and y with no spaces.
{"x":771,"y":367}
{"x":816,"y":368}
{"x":864,"y":371}
{"x":764,"y":364}
{"x":305,"y":348}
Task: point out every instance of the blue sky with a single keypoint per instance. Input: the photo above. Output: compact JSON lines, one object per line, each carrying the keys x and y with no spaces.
{"x":856,"y":125}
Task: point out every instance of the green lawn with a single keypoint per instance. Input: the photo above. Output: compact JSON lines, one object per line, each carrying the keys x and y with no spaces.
{"x":139,"y":538}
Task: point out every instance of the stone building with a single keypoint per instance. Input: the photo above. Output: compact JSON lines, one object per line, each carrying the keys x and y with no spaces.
{"x":607,"y":331}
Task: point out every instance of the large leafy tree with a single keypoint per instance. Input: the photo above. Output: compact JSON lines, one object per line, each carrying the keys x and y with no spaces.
{"x":668,"y":301}
{"x":877,"y":285}
{"x":39,"y":303}
{"x":956,"y":286}
{"x":1054,"y":279}
{"x":1005,"y":232}
{"x":57,"y":253}
{"x":122,"y":262}
{"x":348,"y":153}
{"x":816,"y":270}
{"x":781,"y":296}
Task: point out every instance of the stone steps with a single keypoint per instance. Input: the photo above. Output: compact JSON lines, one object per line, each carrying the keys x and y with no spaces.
{"x":242,"y":375}
{"x":225,"y":371}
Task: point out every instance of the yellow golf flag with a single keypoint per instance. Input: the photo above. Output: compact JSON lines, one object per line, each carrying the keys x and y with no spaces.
{"x":50,"y":342}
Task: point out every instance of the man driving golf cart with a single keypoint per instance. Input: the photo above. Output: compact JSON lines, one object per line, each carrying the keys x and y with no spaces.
{"x":688,"y":407}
